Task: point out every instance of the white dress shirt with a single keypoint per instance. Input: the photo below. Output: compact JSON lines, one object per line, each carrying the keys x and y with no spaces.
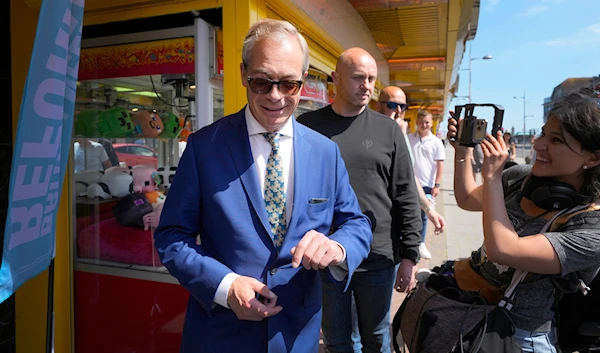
{"x":261,"y":149}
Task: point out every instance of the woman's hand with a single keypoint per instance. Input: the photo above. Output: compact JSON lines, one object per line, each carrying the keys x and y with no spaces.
{"x":452,"y":135}
{"x":495,"y":155}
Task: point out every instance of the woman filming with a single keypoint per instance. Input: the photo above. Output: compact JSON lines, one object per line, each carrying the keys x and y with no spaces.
{"x":517,"y":204}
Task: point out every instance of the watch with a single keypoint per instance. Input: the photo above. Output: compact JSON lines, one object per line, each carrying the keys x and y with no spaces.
{"x":436,"y":185}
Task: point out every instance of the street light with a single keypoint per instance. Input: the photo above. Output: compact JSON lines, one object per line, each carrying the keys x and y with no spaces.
{"x":525,"y":116}
{"x":487,"y":57}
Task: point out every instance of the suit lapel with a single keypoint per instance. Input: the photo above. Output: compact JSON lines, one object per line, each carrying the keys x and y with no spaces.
{"x":301,"y":165}
{"x":239,"y":148}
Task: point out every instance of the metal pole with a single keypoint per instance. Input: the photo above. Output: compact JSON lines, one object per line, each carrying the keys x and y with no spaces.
{"x":470,"y":45}
{"x":524,"y":119}
{"x":50,"y":312}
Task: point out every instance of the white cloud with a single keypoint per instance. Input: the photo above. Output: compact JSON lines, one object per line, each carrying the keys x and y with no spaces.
{"x":595,"y":28}
{"x":589,"y":35}
{"x":491,"y":5}
{"x":533,"y":10}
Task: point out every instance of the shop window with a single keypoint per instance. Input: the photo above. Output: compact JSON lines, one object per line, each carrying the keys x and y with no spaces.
{"x":126,"y":131}
{"x":133,"y":115}
{"x":314,"y":94}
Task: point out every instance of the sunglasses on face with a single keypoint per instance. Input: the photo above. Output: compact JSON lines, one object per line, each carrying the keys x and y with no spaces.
{"x":394,"y":106}
{"x":264,"y":86}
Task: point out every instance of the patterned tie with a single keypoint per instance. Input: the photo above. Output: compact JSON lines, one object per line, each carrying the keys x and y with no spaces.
{"x":275,"y":192}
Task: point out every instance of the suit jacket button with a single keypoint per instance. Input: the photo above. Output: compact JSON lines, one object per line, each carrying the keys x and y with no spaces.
{"x":273,"y":271}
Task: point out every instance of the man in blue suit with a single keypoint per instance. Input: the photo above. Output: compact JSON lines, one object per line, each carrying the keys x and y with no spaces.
{"x":259,"y":204}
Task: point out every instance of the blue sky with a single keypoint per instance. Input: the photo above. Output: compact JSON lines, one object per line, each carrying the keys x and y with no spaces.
{"x":535,"y":44}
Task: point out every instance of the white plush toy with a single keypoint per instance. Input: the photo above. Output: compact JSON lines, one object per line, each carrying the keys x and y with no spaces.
{"x":84,"y":179}
{"x":115,"y":183}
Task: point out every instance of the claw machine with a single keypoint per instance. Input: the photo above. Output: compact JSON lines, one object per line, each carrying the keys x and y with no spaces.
{"x":139,"y":96}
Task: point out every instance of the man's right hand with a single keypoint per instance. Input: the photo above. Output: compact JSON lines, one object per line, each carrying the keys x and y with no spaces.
{"x":401,"y":122}
{"x":242,"y":299}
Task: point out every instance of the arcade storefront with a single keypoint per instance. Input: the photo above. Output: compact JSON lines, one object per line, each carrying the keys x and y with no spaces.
{"x":150,"y":74}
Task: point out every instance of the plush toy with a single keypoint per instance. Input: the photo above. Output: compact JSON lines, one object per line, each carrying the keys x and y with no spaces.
{"x":171,"y":123}
{"x":132,"y":211}
{"x":119,"y":184}
{"x":114,"y":183}
{"x":112,"y":123}
{"x":148,"y":124}
{"x":146,"y":181}
{"x":98,"y":192}
{"x":166,"y":173}
{"x":85,"y":123}
{"x":155,"y":198}
{"x":115,"y":123}
{"x":84,"y":179}
{"x":186,"y":129}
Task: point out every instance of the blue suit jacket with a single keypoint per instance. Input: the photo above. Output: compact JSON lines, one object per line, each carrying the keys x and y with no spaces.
{"x":216,"y":194}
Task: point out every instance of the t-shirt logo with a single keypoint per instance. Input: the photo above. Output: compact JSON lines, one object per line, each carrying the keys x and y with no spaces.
{"x":367,"y":143}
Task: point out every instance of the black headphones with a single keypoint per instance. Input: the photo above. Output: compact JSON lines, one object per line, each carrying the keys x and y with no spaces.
{"x":552,"y":195}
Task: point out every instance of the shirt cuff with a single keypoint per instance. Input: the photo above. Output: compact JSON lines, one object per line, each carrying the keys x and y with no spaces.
{"x":340,"y":271}
{"x":223,"y":289}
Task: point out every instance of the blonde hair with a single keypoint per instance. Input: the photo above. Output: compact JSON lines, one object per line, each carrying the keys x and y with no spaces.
{"x":276,"y":30}
{"x":422,"y":114}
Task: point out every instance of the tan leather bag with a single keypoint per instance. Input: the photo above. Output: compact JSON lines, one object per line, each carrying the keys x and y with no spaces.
{"x":469,"y":280}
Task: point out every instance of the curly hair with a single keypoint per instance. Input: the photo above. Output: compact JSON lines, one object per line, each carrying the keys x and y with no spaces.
{"x":579,"y":115}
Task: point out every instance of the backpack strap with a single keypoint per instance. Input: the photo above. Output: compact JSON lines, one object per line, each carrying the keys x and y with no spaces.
{"x":572,"y":282}
{"x":564,"y":218}
{"x":508,"y":299}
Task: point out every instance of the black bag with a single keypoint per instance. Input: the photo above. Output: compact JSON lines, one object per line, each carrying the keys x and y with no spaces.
{"x":437,"y":318}
{"x":130,"y":209}
{"x":577,"y":315}
{"x":578,"y":319}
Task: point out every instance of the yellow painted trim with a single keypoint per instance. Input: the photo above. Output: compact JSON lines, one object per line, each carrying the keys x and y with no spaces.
{"x":63,"y":271}
{"x":31,"y":298}
{"x":106,"y":11}
{"x":324,"y":49}
{"x":238,"y":16}
{"x":453,"y":24}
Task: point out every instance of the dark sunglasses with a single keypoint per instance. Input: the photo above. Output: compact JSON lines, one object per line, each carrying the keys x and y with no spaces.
{"x":264,"y":86}
{"x":394,"y":106}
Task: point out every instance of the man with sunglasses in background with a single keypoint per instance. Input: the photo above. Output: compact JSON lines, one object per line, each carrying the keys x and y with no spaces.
{"x":392,"y":103}
{"x":261,"y":192}
{"x":378,"y":163}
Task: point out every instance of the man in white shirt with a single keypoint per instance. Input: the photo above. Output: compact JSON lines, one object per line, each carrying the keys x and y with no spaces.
{"x":90,"y":155}
{"x":429,"y":154}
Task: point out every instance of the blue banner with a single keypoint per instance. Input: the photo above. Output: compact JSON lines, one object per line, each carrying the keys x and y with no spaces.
{"x":42,"y":145}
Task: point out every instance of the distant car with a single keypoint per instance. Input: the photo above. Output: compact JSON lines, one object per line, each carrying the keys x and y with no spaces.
{"x":134,"y":154}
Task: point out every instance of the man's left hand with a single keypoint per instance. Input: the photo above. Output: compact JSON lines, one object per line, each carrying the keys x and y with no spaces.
{"x":435,"y":191}
{"x":405,"y":278}
{"x":437,"y":220}
{"x":316,"y":251}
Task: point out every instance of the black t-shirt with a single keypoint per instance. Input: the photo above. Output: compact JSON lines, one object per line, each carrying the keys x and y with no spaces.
{"x":378,"y":163}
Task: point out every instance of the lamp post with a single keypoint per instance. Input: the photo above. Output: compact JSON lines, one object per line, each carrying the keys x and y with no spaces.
{"x":487,"y":57}
{"x":525,"y":116}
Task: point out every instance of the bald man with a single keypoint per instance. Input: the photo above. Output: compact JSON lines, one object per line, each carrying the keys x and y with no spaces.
{"x":392,"y":103}
{"x":378,"y":163}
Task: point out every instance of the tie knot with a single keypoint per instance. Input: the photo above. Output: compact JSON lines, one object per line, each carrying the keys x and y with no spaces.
{"x":272,"y":138}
